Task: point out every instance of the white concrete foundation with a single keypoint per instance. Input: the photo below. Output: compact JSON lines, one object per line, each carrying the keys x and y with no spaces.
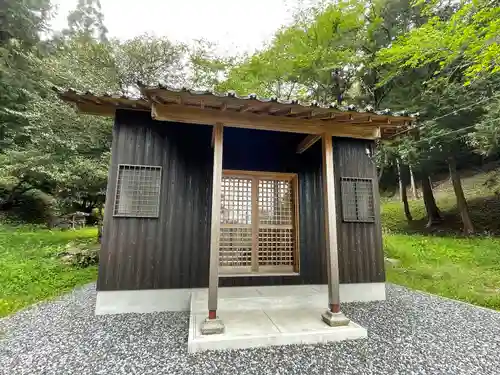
{"x":152,"y":300}
{"x":271,"y":318}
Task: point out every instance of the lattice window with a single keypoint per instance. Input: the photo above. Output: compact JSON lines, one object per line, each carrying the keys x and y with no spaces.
{"x":235,"y":247}
{"x":276,"y":247}
{"x":258,"y":214}
{"x":275,"y":202}
{"x":357,"y":199}
{"x":236,"y":200}
{"x":276,"y":217}
{"x":138,"y":191}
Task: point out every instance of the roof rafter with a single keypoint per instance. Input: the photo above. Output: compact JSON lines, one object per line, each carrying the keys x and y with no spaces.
{"x":307,"y":142}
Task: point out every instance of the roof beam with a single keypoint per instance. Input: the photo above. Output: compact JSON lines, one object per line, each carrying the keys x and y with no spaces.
{"x":323,"y":115}
{"x":245,"y":108}
{"x":282,"y":112}
{"x":179,"y":113}
{"x":94,"y":109}
{"x":303,"y":114}
{"x":307,"y":142}
{"x":263,"y":108}
{"x":157,"y":99}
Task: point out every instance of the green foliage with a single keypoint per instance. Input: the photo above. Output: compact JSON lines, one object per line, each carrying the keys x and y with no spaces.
{"x":44,"y":144}
{"x":207,"y":69}
{"x":468,"y":40}
{"x":88,"y":20}
{"x":148,"y":59}
{"x":486,"y":137}
{"x":456,"y":54}
{"x":33,"y":206}
{"x":313,"y":58}
{"x":22,"y":22}
{"x":31,"y":270}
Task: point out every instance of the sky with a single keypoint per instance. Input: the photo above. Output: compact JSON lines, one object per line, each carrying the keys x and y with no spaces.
{"x":235,"y":25}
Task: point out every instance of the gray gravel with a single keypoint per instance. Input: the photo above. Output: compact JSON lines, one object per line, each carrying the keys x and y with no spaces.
{"x":410,"y":333}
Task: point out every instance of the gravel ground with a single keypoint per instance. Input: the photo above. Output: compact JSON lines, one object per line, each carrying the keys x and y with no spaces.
{"x":410,"y":333}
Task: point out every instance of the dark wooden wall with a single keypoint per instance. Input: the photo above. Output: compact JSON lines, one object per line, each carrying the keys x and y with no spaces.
{"x":172,"y":251}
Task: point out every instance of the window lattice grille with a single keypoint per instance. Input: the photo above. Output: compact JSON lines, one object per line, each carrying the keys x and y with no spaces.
{"x":236,"y":200}
{"x":235,"y":246}
{"x":275,"y":202}
{"x":276,"y":215}
{"x":138,"y":191}
{"x":276,"y":247}
{"x":257,"y":232}
{"x":357,"y":199}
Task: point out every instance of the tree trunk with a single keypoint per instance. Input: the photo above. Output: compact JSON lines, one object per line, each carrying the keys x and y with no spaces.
{"x":402,"y":193}
{"x":413,"y":185}
{"x":100,"y":222}
{"x":433,"y":214}
{"x":459,"y":193}
{"x":380,"y":173}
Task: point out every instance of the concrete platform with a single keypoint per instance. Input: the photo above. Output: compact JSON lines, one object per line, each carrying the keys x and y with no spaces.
{"x":156,"y":300}
{"x":265,"y":316}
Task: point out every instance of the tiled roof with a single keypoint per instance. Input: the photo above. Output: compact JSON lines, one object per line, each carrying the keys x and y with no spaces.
{"x":232,"y":107}
{"x":230,"y":97}
{"x":292,"y":102}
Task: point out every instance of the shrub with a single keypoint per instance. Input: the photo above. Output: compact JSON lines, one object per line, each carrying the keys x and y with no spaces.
{"x":32,"y":206}
{"x":80,"y":255}
{"x":86,"y":258}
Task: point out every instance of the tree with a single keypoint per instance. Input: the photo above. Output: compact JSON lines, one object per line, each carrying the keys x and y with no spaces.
{"x":150,"y":60}
{"x":207,"y":70}
{"x":466,"y":41}
{"x":311,"y":59}
{"x":46,"y":145}
{"x":455,"y":50}
{"x":22,"y":23}
{"x":402,"y":192}
{"x":87,"y":21}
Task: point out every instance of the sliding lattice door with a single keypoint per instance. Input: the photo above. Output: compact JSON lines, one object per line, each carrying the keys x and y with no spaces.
{"x":258,"y":223}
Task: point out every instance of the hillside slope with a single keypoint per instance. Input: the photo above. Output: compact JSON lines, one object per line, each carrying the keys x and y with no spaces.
{"x":481,"y":192}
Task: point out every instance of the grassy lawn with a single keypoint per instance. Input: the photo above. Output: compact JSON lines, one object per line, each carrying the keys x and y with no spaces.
{"x":442,"y":261}
{"x":466,"y":269}
{"x":30,"y":270}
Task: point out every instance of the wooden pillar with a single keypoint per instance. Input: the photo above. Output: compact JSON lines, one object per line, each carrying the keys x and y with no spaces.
{"x":333,"y":315}
{"x":255,"y":224}
{"x":212,"y":324}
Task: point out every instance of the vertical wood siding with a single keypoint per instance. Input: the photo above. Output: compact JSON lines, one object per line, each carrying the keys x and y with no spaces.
{"x":172,"y":251}
{"x":361,"y":256}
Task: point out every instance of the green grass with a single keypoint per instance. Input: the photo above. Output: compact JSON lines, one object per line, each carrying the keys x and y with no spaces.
{"x":441,"y":260}
{"x":30,"y":270}
{"x":467,"y":269}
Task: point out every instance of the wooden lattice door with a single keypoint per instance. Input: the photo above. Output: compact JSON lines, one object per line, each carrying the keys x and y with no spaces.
{"x":258,"y":223}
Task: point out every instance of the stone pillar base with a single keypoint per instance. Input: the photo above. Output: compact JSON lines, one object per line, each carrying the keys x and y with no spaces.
{"x":335,"y":319}
{"x":212,"y":326}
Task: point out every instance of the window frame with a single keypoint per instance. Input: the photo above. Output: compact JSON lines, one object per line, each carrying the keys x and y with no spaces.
{"x":123,"y":166}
